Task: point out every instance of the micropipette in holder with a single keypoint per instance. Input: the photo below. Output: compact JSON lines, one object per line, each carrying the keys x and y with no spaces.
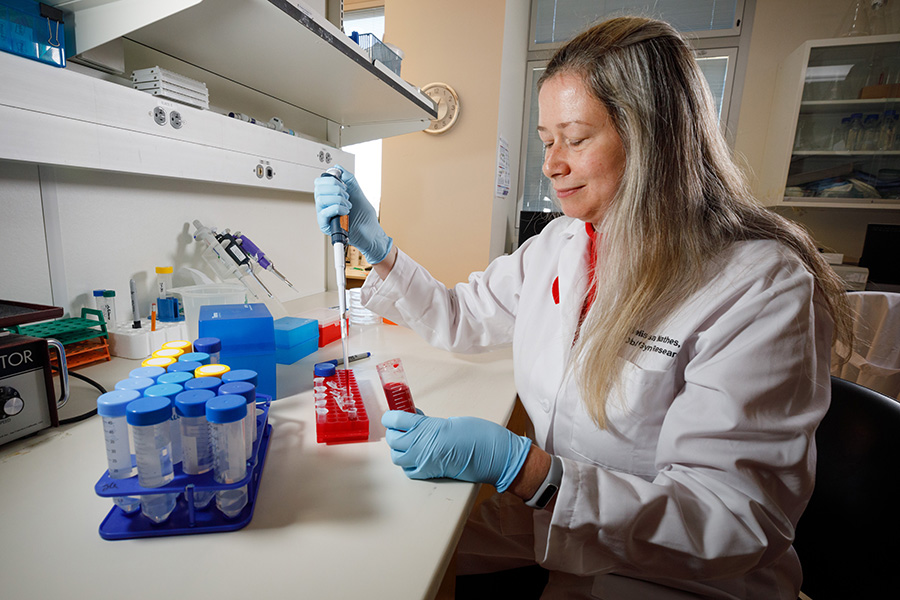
{"x":218,"y":258}
{"x":339,"y":242}
{"x":233,"y":249}
{"x":253,"y":251}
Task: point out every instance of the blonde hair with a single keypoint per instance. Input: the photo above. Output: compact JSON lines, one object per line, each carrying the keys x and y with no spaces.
{"x":681,"y":201}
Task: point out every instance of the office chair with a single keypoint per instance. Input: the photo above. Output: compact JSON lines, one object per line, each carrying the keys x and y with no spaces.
{"x":847,"y":537}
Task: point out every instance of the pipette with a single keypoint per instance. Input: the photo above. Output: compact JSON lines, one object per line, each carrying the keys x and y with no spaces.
{"x":339,"y":241}
{"x":233,"y":249}
{"x":253,"y":251}
{"x":224,"y":264}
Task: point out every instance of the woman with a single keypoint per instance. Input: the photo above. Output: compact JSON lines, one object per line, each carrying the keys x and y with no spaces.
{"x":671,"y":345}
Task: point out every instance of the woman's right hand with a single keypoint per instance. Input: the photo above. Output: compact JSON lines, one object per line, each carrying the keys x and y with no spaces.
{"x":337,"y":197}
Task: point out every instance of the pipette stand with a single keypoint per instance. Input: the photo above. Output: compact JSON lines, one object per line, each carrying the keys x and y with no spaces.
{"x":336,"y":427}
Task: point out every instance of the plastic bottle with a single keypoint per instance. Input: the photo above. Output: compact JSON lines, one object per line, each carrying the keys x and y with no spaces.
{"x":198,"y":357}
{"x":212,"y":370}
{"x":248,"y":391}
{"x":183,"y":366}
{"x":854,"y":132}
{"x":211,"y":346}
{"x":226,"y":416}
{"x":887,"y":137}
{"x":197,"y":446}
{"x":163,"y":281}
{"x":839,"y":135}
{"x":138,"y":384}
{"x":111,"y":407}
{"x":203,"y":383}
{"x":150,"y":372}
{"x":109,"y":297}
{"x":150,"y":420}
{"x":168,"y":353}
{"x":871,"y":131}
{"x":169,"y":390}
{"x":183,"y":345}
{"x":99,"y":302}
{"x":176,"y":377}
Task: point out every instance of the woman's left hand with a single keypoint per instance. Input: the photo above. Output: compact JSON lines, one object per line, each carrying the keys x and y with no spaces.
{"x":465,"y":448}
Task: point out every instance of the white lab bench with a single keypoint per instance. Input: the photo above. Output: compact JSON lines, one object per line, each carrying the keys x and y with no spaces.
{"x":335,"y":521}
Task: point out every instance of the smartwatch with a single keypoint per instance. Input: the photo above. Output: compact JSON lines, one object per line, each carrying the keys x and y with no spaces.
{"x":549,"y":486}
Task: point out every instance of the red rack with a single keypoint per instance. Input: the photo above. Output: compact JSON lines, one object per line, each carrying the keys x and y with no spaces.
{"x":338,"y":426}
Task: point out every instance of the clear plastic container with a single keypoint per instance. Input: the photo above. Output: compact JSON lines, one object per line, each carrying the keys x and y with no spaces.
{"x":109,"y":307}
{"x":227,"y":417}
{"x":396,"y":388}
{"x":163,"y":281}
{"x":111,"y":407}
{"x":195,"y":439}
{"x":150,"y":421}
{"x":359,"y":315}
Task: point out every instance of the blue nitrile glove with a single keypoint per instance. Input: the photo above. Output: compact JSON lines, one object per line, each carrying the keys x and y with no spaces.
{"x":343,"y":197}
{"x":465,"y":448}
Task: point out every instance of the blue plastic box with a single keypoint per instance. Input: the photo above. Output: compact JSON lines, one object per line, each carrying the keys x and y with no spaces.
{"x":247,"y":332}
{"x":33,"y":30}
{"x":295,"y":338}
{"x":243,"y":328}
{"x":290,"y":331}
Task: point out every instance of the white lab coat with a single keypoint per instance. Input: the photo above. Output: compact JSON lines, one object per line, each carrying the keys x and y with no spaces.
{"x":709,"y":458}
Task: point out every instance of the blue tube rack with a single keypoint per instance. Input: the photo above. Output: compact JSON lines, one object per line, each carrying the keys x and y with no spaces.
{"x":186,"y":519}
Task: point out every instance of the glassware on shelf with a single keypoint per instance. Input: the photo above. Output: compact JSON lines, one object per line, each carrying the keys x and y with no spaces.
{"x":871,"y":132}
{"x":839,"y":134}
{"x":887,"y":138}
{"x":854,"y":133}
{"x":857,"y":20}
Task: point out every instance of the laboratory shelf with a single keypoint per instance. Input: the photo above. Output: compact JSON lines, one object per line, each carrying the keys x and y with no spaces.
{"x":281,"y":48}
{"x":187,"y":519}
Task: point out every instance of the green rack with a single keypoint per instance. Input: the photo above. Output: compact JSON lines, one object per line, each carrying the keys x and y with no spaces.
{"x":68,"y":330}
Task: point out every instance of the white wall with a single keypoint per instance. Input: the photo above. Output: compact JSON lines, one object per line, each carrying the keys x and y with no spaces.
{"x":114,"y":227}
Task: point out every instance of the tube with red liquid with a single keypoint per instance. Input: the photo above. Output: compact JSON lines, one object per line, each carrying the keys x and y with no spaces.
{"x":396,"y":389}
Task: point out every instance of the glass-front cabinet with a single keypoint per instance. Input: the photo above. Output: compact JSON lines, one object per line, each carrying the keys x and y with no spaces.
{"x":834,"y":139}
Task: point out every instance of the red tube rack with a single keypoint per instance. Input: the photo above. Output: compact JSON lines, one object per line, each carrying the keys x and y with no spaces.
{"x":336,"y":427}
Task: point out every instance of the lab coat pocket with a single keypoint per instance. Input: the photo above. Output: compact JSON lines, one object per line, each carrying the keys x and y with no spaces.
{"x":635,"y":413}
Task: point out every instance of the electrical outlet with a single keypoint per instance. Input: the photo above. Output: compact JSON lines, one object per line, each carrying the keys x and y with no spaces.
{"x":260,"y":170}
{"x":159,"y":115}
{"x":175,"y":119}
{"x":270,"y":172}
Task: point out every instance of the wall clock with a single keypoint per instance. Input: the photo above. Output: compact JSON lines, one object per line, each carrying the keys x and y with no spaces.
{"x":447,"y":102}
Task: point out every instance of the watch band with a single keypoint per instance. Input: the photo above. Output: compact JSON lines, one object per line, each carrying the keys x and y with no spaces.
{"x":549,"y":486}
